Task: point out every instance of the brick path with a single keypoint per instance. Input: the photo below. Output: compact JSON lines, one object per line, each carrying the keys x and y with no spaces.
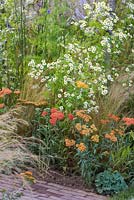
{"x":42,"y":190}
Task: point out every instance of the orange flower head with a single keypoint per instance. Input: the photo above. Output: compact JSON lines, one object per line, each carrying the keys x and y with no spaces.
{"x":111,"y":137}
{"x":86,"y":118}
{"x":119,"y":131}
{"x":114,"y":117}
{"x":112,"y":132}
{"x":28,"y":173}
{"x":2,"y":93}
{"x":69,"y":143}
{"x":7,"y":91}
{"x":114,"y":139}
{"x":93,"y":127}
{"x":85,"y":132}
{"x":2,"y":105}
{"x":104,"y":121}
{"x":81,"y":84}
{"x":128,"y":121}
{"x":84,"y":126}
{"x":95,"y":138}
{"x":78,"y":127}
{"x":81,"y":146}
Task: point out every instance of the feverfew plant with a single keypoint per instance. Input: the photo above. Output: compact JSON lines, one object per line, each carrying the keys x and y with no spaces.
{"x":90,"y":63}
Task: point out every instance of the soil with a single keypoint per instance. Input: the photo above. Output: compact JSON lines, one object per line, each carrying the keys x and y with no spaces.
{"x":55,"y":176}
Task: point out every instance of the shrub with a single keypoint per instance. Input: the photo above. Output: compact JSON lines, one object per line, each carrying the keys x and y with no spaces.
{"x":83,"y":75}
{"x":108,"y":182}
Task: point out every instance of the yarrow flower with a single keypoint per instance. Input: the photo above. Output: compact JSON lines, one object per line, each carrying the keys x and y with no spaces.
{"x":114,"y":117}
{"x":70,"y":116}
{"x":104,"y":121}
{"x":69,"y":143}
{"x":58,"y":115}
{"x":81,"y":147}
{"x":53,"y":110}
{"x":5,"y":91}
{"x":128,"y":121}
{"x":95,"y":138}
{"x":2,"y":105}
{"x":53,"y":121}
{"x":55,"y":115}
{"x":44,"y":113}
{"x":82,"y":115}
{"x":93,"y":127}
{"x":78,"y":126}
{"x":111,"y":136}
{"x":81,"y":84}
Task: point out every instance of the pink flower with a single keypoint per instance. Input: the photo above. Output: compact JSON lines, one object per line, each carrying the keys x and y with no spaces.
{"x":58,"y":115}
{"x":44,"y":113}
{"x":7,"y":91}
{"x":53,"y":121}
{"x":53,"y":110}
{"x":70,"y":116}
{"x":128,"y":121}
{"x":2,"y":105}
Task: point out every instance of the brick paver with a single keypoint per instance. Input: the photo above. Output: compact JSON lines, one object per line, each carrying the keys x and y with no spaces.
{"x":43,"y":190}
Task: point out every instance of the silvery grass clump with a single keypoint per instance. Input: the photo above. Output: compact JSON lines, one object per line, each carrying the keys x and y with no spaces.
{"x":14,"y":154}
{"x":86,"y":62}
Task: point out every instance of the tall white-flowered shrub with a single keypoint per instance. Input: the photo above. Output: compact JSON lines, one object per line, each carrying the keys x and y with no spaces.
{"x":90,"y":64}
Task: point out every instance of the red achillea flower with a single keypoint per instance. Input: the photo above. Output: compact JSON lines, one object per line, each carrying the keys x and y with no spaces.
{"x":1,"y":93}
{"x":70,"y":116}
{"x":114,"y":117}
{"x":44,"y":113}
{"x":58,"y":115}
{"x":53,"y":110}
{"x":53,"y":121}
{"x":2,"y":105}
{"x":128,"y":121}
{"x":7,"y":91}
{"x":104,"y":121}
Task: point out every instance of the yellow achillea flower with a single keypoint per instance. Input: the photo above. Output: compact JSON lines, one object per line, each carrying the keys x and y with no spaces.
{"x":78,"y":126}
{"x":28,"y":176}
{"x":95,"y":138}
{"x":83,"y":116}
{"x":81,"y":146}
{"x":93,"y":127}
{"x":84,"y":126}
{"x":69,"y":143}
{"x":85,"y":132}
{"x":111,"y":137}
{"x":119,"y":131}
{"x":81,"y":84}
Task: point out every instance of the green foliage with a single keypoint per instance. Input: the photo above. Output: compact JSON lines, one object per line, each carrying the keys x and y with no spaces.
{"x":50,"y":139}
{"x":22,"y":38}
{"x":125,"y":195}
{"x":108,"y":182}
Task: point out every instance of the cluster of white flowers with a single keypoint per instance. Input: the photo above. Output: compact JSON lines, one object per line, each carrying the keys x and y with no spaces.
{"x":85,"y":62}
{"x":130,"y":6}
